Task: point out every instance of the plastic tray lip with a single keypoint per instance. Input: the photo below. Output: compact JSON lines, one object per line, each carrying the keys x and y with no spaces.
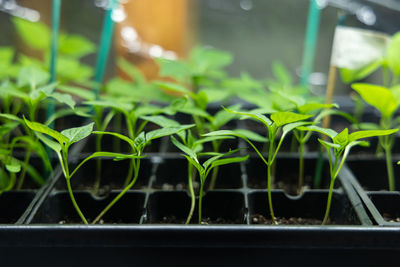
{"x":153,"y":236}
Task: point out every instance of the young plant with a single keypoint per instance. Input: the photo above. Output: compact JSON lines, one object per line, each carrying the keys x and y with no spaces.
{"x":340,"y":146}
{"x":386,"y":101}
{"x":64,"y":140}
{"x":285,"y":121}
{"x":216,"y":159}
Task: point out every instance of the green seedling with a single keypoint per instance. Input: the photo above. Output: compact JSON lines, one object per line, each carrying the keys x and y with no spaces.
{"x":285,"y":121}
{"x":64,"y":140}
{"x":386,"y":101}
{"x":216,"y":159}
{"x":341,"y":144}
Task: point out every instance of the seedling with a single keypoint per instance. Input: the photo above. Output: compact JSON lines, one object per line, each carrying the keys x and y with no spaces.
{"x":64,"y":140}
{"x":340,"y":146}
{"x":386,"y":101}
{"x":285,"y":121}
{"x":204,"y":169}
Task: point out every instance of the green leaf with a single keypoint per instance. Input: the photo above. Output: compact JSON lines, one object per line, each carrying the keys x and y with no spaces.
{"x":342,"y":138}
{"x":176,"y":69}
{"x":281,"y":73}
{"x":329,"y":145}
{"x":121,"y":106}
{"x":41,"y":128}
{"x":196,"y":164}
{"x":368,"y":126}
{"x":377,"y":96}
{"x":185,"y":149}
{"x":13,"y":165}
{"x":349,"y":75}
{"x":78,"y":133}
{"x":226,"y":161}
{"x":195,"y":111}
{"x":50,"y":143}
{"x":174,"y":88}
{"x":364,"y":134}
{"x":290,"y":126}
{"x":131,"y":70}
{"x":120,"y":136}
{"x":307,"y":108}
{"x":166,"y":132}
{"x":329,"y":132}
{"x":215,"y":95}
{"x":222,"y":117}
{"x":63,"y":98}
{"x":161,"y":121}
{"x":252,"y":114}
{"x":35,"y":34}
{"x":77,"y":91}
{"x":10,"y":117}
{"x":282,"y":118}
{"x":205,"y":60}
{"x":31,"y":76}
{"x":393,"y":54}
{"x":75,"y":45}
{"x":250,"y":135}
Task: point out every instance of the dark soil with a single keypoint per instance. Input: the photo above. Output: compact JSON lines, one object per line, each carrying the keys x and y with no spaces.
{"x":260,"y":219}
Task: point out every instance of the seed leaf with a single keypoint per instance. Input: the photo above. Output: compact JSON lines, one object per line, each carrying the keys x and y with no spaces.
{"x":329,"y":132}
{"x":78,"y":133}
{"x":370,"y":133}
{"x":393,"y":54}
{"x":161,"y":121}
{"x":50,"y":143}
{"x":307,"y":108}
{"x":166,"y":132}
{"x":41,"y":128}
{"x":188,"y":151}
{"x":252,"y":114}
{"x":377,"y":96}
{"x":282,"y":118}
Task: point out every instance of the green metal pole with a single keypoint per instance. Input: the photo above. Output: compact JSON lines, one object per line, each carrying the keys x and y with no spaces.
{"x":310,"y":41}
{"x":105,"y":44}
{"x":55,"y":25}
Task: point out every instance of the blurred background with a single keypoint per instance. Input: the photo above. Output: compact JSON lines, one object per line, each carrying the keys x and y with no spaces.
{"x":256,"y":32}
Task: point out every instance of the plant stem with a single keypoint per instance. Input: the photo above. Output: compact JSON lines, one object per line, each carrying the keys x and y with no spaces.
{"x":328,"y":204}
{"x":23,"y":173}
{"x":192,"y":196}
{"x":214,"y":174}
{"x":389,"y":167}
{"x":121,"y":194}
{"x":96,"y":185}
{"x":71,"y":194}
{"x":200,"y":199}
{"x":269,"y":165}
{"x":301,"y":168}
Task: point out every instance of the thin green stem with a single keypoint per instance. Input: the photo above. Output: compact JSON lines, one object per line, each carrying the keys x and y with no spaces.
{"x":214,"y":174}
{"x":328,"y":204}
{"x":270,"y":161}
{"x":301,"y":168}
{"x":200,"y":198}
{"x":71,"y":194}
{"x":121,"y":194}
{"x":191,"y":190}
{"x":21,"y":178}
{"x":389,"y":167}
{"x":96,"y":185}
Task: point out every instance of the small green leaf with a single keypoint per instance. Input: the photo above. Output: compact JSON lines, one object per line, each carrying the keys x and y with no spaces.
{"x":176,"y":69}
{"x":78,"y":133}
{"x":13,"y":166}
{"x":131,"y":70}
{"x":349,"y":75}
{"x":75,"y":45}
{"x":342,"y":138}
{"x":222,"y":117}
{"x":290,"y":126}
{"x":31,"y":76}
{"x":252,"y":114}
{"x":282,"y":118}
{"x":226,"y":161}
{"x":120,"y":136}
{"x":250,"y":135}
{"x":174,"y":88}
{"x":329,"y":145}
{"x":50,"y":143}
{"x":393,"y":54}
{"x":187,"y":150}
{"x":77,"y":91}
{"x":377,"y":96}
{"x":41,"y":128}
{"x":307,"y":108}
{"x":35,"y":34}
{"x":329,"y":132}
{"x":166,"y":132}
{"x":121,"y":106}
{"x":63,"y":98}
{"x":161,"y":121}
{"x":364,"y":134}
{"x":10,"y":117}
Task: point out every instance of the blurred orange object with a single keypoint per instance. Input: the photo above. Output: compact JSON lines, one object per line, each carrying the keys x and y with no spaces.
{"x":154,"y":28}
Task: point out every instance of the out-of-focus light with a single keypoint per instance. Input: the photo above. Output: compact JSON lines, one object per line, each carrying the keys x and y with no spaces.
{"x":156,"y":51}
{"x":129,"y":34}
{"x":246,"y":5}
{"x":118,"y":14}
{"x":317,"y":78}
{"x":171,"y":55}
{"x":101,"y":3}
{"x":321,"y":3}
{"x":366,"y":15}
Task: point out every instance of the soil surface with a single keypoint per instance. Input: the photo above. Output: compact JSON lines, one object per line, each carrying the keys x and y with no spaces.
{"x":260,"y":219}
